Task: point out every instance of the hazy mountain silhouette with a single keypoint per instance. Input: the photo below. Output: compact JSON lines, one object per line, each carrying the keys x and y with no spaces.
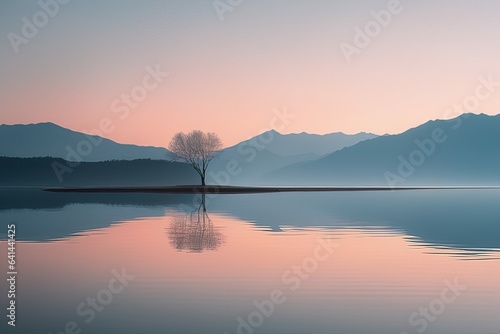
{"x":305,"y":143}
{"x":271,"y":150}
{"x":51,"y":140}
{"x":464,"y":150}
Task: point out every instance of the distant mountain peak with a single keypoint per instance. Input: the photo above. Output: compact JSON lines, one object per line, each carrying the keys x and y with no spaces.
{"x":51,"y":140}
{"x":272,"y":131}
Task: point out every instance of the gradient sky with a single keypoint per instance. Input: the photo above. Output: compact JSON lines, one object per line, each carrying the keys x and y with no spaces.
{"x":228,"y":76}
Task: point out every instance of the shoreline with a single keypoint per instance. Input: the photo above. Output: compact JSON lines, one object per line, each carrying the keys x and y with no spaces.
{"x":214,"y":189}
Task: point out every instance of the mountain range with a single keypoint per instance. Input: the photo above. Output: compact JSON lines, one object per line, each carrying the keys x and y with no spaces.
{"x":461,"y":151}
{"x":271,"y":150}
{"x":255,"y":157}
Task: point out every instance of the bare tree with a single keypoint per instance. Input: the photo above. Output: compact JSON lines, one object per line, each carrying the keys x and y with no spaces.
{"x":196,"y":148}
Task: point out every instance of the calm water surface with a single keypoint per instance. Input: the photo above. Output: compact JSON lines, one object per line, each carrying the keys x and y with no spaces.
{"x":347,"y":263}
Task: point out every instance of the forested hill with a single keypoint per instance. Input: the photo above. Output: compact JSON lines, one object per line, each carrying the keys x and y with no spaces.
{"x":58,"y":172}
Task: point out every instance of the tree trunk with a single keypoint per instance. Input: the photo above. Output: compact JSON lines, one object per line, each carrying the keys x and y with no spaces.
{"x":203,"y":180}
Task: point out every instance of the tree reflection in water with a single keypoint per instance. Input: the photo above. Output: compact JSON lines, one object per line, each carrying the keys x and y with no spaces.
{"x":194,"y":232}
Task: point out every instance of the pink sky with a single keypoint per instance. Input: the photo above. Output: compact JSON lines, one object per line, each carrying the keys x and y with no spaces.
{"x":228,"y":76}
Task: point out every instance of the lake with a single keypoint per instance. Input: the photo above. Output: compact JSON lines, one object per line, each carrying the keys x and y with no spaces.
{"x":421,"y":261}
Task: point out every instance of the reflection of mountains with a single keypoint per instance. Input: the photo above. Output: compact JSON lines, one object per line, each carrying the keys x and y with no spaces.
{"x":194,"y":231}
{"x":461,"y":220}
{"x":466,"y":220}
